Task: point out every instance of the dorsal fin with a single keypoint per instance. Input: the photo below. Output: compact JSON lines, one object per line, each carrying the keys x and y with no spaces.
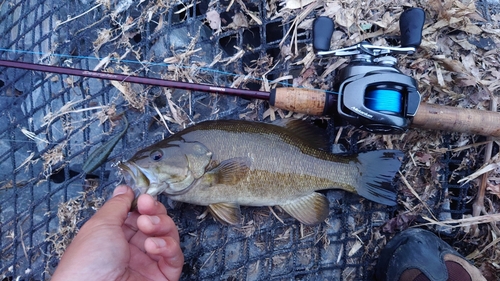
{"x":306,"y":131}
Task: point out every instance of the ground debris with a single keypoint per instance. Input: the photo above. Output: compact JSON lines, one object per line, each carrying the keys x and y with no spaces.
{"x":70,"y":215}
{"x":456,"y":65}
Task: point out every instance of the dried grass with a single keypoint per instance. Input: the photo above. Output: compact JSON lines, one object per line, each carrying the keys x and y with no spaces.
{"x":70,"y":214}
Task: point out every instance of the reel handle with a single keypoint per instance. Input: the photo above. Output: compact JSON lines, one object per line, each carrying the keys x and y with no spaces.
{"x":411,"y":24}
{"x":323,"y":28}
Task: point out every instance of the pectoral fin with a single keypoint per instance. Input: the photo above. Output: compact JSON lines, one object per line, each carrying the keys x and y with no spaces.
{"x":311,"y":209}
{"x":230,"y":171}
{"x":226,"y":212}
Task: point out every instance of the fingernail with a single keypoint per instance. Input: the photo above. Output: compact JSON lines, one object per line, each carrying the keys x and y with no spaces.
{"x":160,"y":243}
{"x":154,"y":219}
{"x":121,"y":189}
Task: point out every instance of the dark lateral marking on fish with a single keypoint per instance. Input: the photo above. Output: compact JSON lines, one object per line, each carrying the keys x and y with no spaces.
{"x":100,"y":155}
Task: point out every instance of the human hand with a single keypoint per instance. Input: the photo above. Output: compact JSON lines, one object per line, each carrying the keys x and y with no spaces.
{"x":117,"y":245}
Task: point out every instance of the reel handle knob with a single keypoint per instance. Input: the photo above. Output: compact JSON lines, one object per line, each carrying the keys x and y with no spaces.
{"x":411,"y":23}
{"x":323,"y":28}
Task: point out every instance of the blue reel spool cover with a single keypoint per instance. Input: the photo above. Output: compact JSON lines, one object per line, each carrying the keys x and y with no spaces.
{"x":384,"y":100}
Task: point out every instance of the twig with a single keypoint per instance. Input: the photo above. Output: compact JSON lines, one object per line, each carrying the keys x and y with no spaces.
{"x":307,"y":11}
{"x":403,"y":178}
{"x":475,"y":254}
{"x":162,"y":118}
{"x":33,"y":136}
{"x":463,"y":222}
{"x":209,"y":257}
{"x":59,"y":23}
{"x":22,"y":241}
{"x":275,"y":215}
{"x":478,"y":206}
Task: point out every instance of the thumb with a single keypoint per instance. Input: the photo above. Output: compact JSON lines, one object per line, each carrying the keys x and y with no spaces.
{"x":116,"y":209}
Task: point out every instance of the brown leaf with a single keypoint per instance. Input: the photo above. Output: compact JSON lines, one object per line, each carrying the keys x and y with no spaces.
{"x":488,"y":271}
{"x":399,"y":223}
{"x":386,"y":21}
{"x":451,"y":64}
{"x":434,"y":169}
{"x":424,"y":158}
{"x":494,"y":189}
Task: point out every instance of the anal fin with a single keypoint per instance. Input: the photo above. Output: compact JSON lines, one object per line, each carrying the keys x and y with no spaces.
{"x":226,"y":212}
{"x":311,"y":209}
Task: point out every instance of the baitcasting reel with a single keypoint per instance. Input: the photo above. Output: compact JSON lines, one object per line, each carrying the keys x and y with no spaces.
{"x":372,"y":93}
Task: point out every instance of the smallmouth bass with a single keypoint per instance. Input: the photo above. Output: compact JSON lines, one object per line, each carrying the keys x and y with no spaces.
{"x":223,"y":164}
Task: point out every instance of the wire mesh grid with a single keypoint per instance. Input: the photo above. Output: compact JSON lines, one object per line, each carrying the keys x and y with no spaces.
{"x":51,"y":123}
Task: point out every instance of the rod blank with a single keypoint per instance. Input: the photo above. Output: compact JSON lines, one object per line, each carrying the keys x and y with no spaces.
{"x":137,"y":79}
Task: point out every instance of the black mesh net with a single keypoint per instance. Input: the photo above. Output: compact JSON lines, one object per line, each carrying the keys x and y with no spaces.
{"x":51,"y":123}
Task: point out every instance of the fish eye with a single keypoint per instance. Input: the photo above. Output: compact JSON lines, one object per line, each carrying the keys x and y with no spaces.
{"x":156,"y":155}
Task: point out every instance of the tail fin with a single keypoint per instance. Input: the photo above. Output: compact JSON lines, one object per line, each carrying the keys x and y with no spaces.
{"x":378,"y":169}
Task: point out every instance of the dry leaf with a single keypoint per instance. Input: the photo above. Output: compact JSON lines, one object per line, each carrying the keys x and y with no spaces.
{"x":331,"y":9}
{"x":103,"y":37}
{"x":424,"y":158}
{"x":482,"y":170}
{"x":399,"y":223}
{"x":387,"y":20}
{"x":214,"y":20}
{"x":297,"y":4}
{"x":451,"y":64}
{"x":239,"y":20}
{"x":494,"y":189}
{"x":355,"y":248}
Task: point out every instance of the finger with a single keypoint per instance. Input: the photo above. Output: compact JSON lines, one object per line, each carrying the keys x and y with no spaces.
{"x":145,"y":265}
{"x":171,"y":253}
{"x":138,"y":240}
{"x":158,"y":225}
{"x":130,"y":226}
{"x":147,"y":205}
{"x":115,"y":210}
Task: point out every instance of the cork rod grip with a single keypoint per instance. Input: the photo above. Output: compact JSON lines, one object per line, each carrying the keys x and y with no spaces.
{"x":307,"y":101}
{"x":454,"y":119}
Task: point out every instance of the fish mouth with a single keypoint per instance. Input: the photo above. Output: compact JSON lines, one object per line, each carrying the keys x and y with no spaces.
{"x":134,"y":177}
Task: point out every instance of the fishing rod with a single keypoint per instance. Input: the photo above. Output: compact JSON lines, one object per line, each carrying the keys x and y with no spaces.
{"x":370,"y":92}
{"x":136,"y":79}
